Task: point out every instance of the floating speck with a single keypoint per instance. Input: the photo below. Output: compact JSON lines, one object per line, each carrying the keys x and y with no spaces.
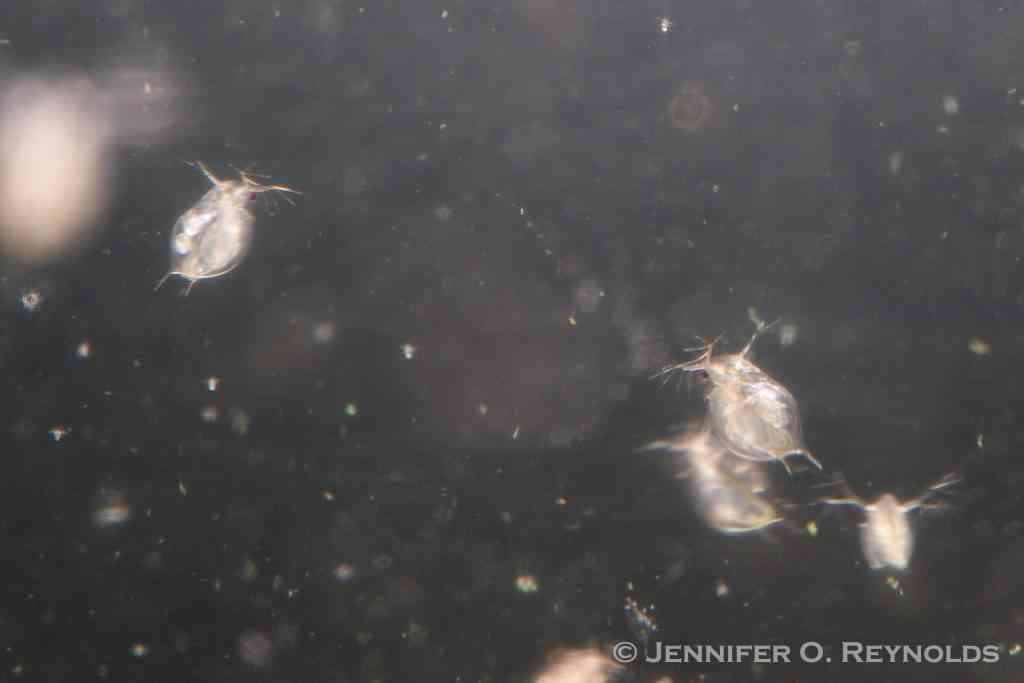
{"x":212,"y":383}
{"x":812,"y":528}
{"x":482,"y":409}
{"x":255,"y":648}
{"x":209,"y":414}
{"x":979,"y":347}
{"x":895,"y":162}
{"x":31,"y":301}
{"x":140,"y":650}
{"x":950,"y":105}
{"x":58,"y":433}
{"x":345,"y":572}
{"x":351,"y":409}
{"x":409,"y":351}
{"x":323,"y":332}
{"x":111,"y":509}
{"x":722,"y":589}
{"x":665,"y":25}
{"x":787,"y":334}
{"x":894,"y":584}
{"x":327,"y":495}
{"x":527,"y":583}
{"x":84,"y":349}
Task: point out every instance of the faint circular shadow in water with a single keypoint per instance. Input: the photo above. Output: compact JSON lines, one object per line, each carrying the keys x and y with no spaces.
{"x":691,"y":109}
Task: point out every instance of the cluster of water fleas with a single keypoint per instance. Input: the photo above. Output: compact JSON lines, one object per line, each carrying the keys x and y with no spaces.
{"x":752,"y":422}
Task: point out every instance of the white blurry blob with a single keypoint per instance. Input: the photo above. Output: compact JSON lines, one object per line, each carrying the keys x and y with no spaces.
{"x":787,"y":334}
{"x":584,"y":665}
{"x":54,"y":166}
{"x":111,"y":508}
{"x":255,"y":648}
{"x":57,"y":134}
{"x":950,"y":105}
{"x":31,"y":300}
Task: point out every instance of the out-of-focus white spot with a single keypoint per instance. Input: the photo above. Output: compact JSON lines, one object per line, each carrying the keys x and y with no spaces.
{"x":409,"y":351}
{"x":527,"y":583}
{"x":665,"y":24}
{"x":111,"y":509}
{"x":84,"y":349}
{"x":344,"y":572}
{"x":59,"y":432}
{"x":896,"y":162}
{"x":482,"y":409}
{"x":323,"y":332}
{"x":209,"y":414}
{"x":979,"y":347}
{"x":212,"y":383}
{"x":588,"y":665}
{"x":950,"y":105}
{"x":787,"y":334}
{"x":443,"y":213}
{"x":31,"y":301}
{"x":140,"y":650}
{"x":54,"y":166}
{"x":722,"y":589}
{"x":255,"y":648}
{"x":942,"y":129}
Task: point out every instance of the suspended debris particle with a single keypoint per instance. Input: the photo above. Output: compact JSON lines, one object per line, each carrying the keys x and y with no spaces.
{"x":409,"y":351}
{"x":139,"y":650}
{"x":812,"y":528}
{"x":31,"y":301}
{"x":84,"y":349}
{"x":111,"y":509}
{"x":722,"y":589}
{"x":896,"y":162}
{"x":324,"y":332}
{"x":979,"y":347}
{"x":58,"y":433}
{"x":351,"y":409}
{"x":209,"y":413}
{"x":212,"y":383}
{"x":787,"y":334}
{"x":950,"y":105}
{"x":527,"y":584}
{"x":255,"y":648}
{"x":344,"y":572}
{"x":640,"y":621}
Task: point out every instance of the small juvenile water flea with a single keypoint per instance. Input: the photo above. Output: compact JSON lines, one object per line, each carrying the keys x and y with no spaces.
{"x":887,"y":538}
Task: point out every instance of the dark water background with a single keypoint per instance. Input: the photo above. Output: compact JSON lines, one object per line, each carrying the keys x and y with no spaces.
{"x":503,"y":187}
